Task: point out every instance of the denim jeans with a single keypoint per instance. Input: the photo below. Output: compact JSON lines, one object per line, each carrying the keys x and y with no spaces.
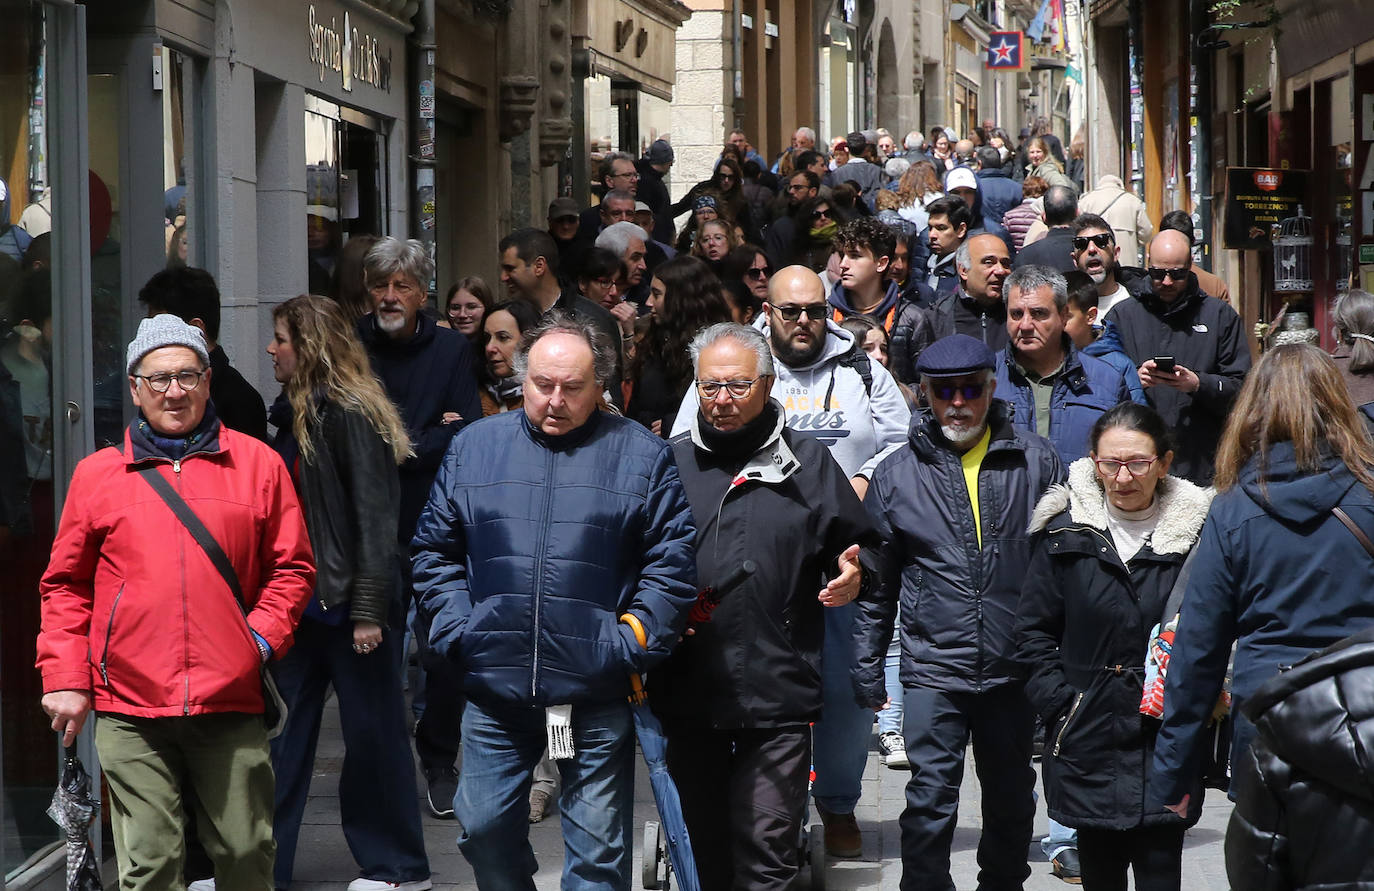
{"x":890,"y":718}
{"x":840,"y":738}
{"x":1060,"y":838}
{"x":501,"y":745}
{"x":380,"y":823}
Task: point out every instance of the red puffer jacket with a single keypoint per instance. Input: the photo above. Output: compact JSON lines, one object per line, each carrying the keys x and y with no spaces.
{"x":134,"y":610}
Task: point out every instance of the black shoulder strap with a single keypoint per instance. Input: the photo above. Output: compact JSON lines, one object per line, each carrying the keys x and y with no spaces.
{"x":858,"y":360}
{"x":203,"y":536}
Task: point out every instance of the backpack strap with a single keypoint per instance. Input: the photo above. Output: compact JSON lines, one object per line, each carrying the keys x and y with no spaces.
{"x":858,"y":360}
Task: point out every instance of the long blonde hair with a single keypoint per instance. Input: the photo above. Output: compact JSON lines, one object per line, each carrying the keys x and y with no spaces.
{"x":331,"y":365}
{"x":1295,"y":394}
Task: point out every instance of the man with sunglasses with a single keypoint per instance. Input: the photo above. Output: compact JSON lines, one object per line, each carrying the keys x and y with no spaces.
{"x":953,"y":503}
{"x":1205,"y":342}
{"x":830,"y":391}
{"x":1096,"y":252}
{"x":773,"y":496}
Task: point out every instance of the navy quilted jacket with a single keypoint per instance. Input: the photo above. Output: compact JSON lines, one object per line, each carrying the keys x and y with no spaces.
{"x":532,"y":546}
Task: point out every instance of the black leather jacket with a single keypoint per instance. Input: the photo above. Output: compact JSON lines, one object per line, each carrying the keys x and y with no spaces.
{"x":351,"y":492}
{"x":1304,"y":815}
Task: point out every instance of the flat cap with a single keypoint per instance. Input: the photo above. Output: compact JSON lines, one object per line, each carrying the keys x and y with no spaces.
{"x":955,"y":355}
{"x":561,"y":208}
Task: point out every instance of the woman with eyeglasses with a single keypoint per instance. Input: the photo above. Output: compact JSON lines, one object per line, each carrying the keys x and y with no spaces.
{"x":342,"y":440}
{"x":467,"y":303}
{"x":1278,"y":573}
{"x":715,"y":240}
{"x":726,"y":186}
{"x":1109,"y":546}
{"x":684,"y":297}
{"x":814,"y":226}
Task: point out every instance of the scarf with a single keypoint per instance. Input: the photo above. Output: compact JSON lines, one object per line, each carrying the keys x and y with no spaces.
{"x":741,"y":443}
{"x":826,"y":232}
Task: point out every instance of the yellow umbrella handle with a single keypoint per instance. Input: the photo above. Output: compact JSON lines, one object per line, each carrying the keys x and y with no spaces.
{"x":637,"y":695}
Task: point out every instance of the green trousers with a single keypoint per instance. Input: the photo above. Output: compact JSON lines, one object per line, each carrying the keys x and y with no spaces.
{"x":224,"y":760}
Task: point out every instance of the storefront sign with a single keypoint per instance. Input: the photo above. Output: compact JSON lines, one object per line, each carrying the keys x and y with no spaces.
{"x":350,"y":52}
{"x":1006,"y":50}
{"x":1258,"y":200}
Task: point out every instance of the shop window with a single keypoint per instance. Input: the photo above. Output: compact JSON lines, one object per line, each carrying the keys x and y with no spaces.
{"x":346,"y":189}
{"x":26,"y":429}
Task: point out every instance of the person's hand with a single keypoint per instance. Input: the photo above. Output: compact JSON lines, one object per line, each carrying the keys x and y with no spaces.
{"x":844,"y":588}
{"x":450,"y":417}
{"x":1182,"y":379}
{"x":885,"y":706}
{"x":1181,"y":808}
{"x":657,"y":427}
{"x":367,"y":636}
{"x":860,"y":485}
{"x":625,"y":314}
{"x":68,"y":710}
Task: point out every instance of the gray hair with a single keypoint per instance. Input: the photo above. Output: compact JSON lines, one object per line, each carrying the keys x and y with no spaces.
{"x":1032,"y":278}
{"x":895,"y":167}
{"x":559,"y":322}
{"x":616,"y":237}
{"x":963,"y":258}
{"x":391,"y":255}
{"x":617,"y":195}
{"x":744,"y":335}
{"x":913,"y":140}
{"x":808,"y":133}
{"x":608,"y":162}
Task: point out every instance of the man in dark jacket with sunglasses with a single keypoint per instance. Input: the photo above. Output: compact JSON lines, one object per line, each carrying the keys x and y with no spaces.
{"x":1204,"y":342}
{"x":954,"y":505}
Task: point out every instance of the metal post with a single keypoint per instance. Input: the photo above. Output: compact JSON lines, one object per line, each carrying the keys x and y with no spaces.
{"x":1203,"y":61}
{"x":423,"y":160}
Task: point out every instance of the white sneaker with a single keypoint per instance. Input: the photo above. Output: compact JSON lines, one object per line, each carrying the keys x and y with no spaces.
{"x":892,"y":750}
{"x":362,"y":884}
{"x":201,"y":885}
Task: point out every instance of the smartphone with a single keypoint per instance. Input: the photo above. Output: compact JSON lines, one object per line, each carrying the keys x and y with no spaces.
{"x":1164,"y":364}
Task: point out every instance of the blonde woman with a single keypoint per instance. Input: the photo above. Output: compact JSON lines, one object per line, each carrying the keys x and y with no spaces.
{"x":342,"y":440}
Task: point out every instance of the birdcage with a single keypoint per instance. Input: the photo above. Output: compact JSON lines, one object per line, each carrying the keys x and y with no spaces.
{"x":1293,"y":254}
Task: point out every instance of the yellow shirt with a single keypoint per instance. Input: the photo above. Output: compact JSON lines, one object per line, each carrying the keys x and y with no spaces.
{"x":972,"y":461}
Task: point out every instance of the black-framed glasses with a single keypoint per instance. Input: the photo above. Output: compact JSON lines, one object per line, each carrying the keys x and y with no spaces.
{"x":945,"y":392}
{"x":759,"y":272}
{"x":1109,"y":467}
{"x":814,"y":312}
{"x":1176,"y":275}
{"x":161,"y":383}
{"x":1103,"y":240}
{"x":633,"y":174}
{"x":823,"y":214}
{"x":736,"y":389}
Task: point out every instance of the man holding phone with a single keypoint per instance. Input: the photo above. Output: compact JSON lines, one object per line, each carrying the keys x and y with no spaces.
{"x":1191,"y":353}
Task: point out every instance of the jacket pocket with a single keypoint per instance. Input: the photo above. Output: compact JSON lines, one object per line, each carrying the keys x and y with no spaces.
{"x":109,"y":633}
{"x":1068,"y":719}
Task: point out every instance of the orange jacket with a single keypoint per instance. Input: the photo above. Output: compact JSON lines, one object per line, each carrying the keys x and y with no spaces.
{"x":134,"y":610}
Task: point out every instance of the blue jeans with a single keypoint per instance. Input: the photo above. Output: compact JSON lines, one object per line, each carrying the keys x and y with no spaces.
{"x":840,"y":738}
{"x":890,"y":718}
{"x":1061,"y":837}
{"x":382,"y":830}
{"x":501,"y":745}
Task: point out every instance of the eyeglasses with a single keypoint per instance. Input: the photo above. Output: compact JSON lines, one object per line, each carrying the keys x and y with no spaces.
{"x":736,"y":389}
{"x":1176,"y":275}
{"x":759,"y":272}
{"x":1103,"y":240}
{"x":821,"y":214}
{"x":1135,"y":467}
{"x":945,"y":392}
{"x":633,"y":174}
{"x":161,"y":383}
{"x":815,"y":312}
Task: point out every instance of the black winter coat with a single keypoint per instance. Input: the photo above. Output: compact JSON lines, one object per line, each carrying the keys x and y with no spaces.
{"x":956,"y":313}
{"x":1205,"y":336}
{"x":1055,"y":250}
{"x":238,"y":404}
{"x":1304,"y":815}
{"x":958,"y":600}
{"x":1082,"y":633}
{"x":427,"y":375}
{"x":791,"y":510}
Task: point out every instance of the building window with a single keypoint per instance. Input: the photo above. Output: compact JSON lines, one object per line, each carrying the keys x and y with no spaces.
{"x":345,"y":183}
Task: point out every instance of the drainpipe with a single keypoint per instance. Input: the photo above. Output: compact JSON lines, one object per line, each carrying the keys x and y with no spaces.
{"x":1203,"y":61}
{"x":423,"y":157}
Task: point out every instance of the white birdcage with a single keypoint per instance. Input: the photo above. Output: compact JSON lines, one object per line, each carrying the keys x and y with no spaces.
{"x":1293,"y":254}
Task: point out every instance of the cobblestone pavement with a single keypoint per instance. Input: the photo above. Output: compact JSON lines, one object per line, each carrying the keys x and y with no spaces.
{"x":323,"y":860}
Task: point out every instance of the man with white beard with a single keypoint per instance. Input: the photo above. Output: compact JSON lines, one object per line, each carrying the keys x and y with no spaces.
{"x":953,"y":504}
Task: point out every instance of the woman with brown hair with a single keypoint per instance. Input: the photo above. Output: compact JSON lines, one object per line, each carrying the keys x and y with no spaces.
{"x":1278,"y":572}
{"x":1020,"y":218}
{"x":715,"y":240}
{"x":1045,"y":165}
{"x":727,"y":185}
{"x":1354,"y":353}
{"x":348,"y":287}
{"x":918,"y":187}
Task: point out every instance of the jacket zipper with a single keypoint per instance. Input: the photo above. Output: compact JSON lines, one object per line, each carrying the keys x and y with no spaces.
{"x":185,"y":617}
{"x":539,"y":572}
{"x":109,"y":629}
{"x":1059,"y":739}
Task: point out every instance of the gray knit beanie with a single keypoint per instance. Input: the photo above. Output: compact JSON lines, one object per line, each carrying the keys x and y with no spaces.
{"x":164,"y":330}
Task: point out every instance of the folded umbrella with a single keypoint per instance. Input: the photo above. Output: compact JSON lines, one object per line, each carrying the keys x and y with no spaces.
{"x":73,"y":809}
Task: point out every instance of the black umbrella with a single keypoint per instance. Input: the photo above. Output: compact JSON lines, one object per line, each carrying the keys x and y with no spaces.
{"x":74,"y":810}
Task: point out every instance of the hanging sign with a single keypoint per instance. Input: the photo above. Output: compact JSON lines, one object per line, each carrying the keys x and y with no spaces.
{"x":1258,"y":200}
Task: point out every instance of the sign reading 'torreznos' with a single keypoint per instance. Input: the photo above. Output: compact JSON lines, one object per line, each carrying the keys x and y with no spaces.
{"x":1258,"y":199}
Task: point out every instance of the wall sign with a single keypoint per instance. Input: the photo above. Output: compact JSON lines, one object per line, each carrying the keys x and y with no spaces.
{"x":1259,"y":199}
{"x":353,"y":54}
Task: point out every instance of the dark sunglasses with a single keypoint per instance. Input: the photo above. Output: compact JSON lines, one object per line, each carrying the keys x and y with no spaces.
{"x":815,"y":312}
{"x":1103,"y":240}
{"x":945,"y":392}
{"x":1176,"y":275}
{"x":759,"y":271}
{"x":821,"y":215}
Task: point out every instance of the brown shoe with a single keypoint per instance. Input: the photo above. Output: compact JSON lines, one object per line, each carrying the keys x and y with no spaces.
{"x":842,"y":837}
{"x":539,"y":805}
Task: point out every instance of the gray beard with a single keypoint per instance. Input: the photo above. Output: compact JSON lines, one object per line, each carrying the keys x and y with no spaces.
{"x":963,"y":436}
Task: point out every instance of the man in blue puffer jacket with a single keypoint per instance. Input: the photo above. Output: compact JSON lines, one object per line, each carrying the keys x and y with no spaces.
{"x":543,"y":528}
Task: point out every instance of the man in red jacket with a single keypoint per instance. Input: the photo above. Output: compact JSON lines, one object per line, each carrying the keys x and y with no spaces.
{"x":140,"y":625}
